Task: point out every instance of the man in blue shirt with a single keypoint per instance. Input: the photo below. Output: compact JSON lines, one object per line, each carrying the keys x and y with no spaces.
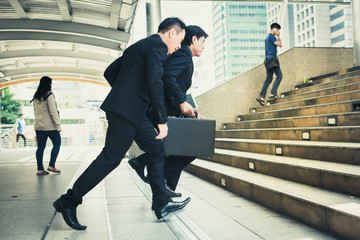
{"x":20,"y":128}
{"x":271,"y":44}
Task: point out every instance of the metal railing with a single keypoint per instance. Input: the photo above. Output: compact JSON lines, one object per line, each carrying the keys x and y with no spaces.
{"x":72,"y":134}
{"x":7,"y":136}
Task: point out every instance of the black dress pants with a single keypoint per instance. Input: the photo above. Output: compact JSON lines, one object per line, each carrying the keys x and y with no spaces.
{"x":119,"y":137}
{"x":172,"y":167}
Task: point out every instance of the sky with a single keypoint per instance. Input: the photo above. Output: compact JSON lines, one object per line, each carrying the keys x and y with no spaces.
{"x":192,"y":13}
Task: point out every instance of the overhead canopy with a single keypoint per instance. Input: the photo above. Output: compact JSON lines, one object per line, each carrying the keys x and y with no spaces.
{"x":69,"y":39}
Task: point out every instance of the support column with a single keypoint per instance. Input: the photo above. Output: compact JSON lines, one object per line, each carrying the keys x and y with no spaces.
{"x":153,"y":16}
{"x":355,"y":5}
{"x":283,"y":10}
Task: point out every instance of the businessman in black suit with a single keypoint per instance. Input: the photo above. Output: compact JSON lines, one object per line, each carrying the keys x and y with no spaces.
{"x":178,"y":72}
{"x":136,"y":81}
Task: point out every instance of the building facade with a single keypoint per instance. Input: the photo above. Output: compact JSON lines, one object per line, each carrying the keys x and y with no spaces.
{"x":341,"y":26}
{"x":239,"y":34}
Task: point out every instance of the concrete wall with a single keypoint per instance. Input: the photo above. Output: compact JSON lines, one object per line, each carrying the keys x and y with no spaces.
{"x":238,"y":95}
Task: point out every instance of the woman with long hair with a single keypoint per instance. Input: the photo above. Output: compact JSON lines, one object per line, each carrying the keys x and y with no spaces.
{"x":47,"y":124}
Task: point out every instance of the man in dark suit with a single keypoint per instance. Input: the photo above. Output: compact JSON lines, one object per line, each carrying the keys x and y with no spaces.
{"x":136,"y":81}
{"x":178,"y":72}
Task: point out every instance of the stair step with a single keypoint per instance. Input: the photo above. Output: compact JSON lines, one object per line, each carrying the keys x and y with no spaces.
{"x":340,"y":152}
{"x":317,"y":92}
{"x":336,"y":213}
{"x":314,"y":81}
{"x":342,"y":119}
{"x":329,"y":134}
{"x":333,"y":98}
{"x":338,"y":177}
{"x":327,"y":108}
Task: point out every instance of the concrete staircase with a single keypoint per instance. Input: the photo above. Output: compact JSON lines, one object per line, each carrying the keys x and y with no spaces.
{"x":299,"y":155}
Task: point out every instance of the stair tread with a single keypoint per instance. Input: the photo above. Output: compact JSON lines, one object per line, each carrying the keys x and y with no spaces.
{"x":307,"y":99}
{"x":294,"y":142}
{"x":292,"y":128}
{"x":299,"y":162}
{"x":314,"y":91}
{"x":303,"y":107}
{"x":337,"y":201}
{"x":314,"y":83}
{"x":298,"y":117}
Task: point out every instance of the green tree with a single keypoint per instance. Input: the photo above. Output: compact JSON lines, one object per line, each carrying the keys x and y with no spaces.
{"x":9,"y":107}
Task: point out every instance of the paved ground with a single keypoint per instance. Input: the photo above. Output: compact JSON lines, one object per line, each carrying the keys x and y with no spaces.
{"x":119,"y":207}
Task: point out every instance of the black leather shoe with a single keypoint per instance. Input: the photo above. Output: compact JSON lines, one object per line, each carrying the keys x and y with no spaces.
{"x":170,"y":193}
{"x":139,"y":169}
{"x":171,"y":206}
{"x":69,"y":215}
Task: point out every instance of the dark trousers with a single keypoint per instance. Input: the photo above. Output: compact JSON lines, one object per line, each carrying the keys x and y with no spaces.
{"x":172,"y":167}
{"x":55,"y":138}
{"x":22,"y":136}
{"x":268,"y":80}
{"x":119,"y":137}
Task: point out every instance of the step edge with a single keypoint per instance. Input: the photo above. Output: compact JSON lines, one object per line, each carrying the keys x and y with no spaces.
{"x":295,"y":117}
{"x":277,"y":188}
{"x":295,"y":162}
{"x":320,"y":144}
{"x":307,"y":99}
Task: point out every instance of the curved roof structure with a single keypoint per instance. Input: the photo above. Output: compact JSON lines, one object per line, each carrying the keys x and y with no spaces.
{"x":65,"y":39}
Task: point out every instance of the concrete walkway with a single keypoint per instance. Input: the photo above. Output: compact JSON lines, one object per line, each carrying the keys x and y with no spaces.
{"x":119,"y":207}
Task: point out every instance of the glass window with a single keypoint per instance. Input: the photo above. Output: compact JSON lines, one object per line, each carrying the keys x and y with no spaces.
{"x":313,"y":33}
{"x":303,"y":37}
{"x":312,"y":9}
{"x":312,"y":21}
{"x":298,"y":17}
{"x":313,"y":43}
{"x":307,"y":12}
{"x":337,"y":27}
{"x":298,"y":27}
{"x":338,"y":39}
{"x":299,"y":38}
{"x":336,"y":15}
{"x":302,"y":15}
{"x":307,"y":23}
{"x":308,"y":34}
{"x":303,"y":26}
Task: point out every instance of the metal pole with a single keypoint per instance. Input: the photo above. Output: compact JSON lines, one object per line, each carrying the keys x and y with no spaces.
{"x":153,"y":16}
{"x":355,"y":5}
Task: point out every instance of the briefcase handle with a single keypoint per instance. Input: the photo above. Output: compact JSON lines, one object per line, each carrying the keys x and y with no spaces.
{"x":187,"y":116}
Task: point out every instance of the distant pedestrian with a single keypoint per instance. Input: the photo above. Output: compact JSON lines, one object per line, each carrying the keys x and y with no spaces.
{"x":271,"y":64}
{"x":47,"y":124}
{"x":20,"y":126}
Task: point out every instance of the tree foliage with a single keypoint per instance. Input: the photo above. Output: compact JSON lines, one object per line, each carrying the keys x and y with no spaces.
{"x":9,"y":107}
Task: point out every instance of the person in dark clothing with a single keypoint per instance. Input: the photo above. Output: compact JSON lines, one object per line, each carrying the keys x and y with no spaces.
{"x":136,"y":81}
{"x":271,"y":44}
{"x":178,"y":72}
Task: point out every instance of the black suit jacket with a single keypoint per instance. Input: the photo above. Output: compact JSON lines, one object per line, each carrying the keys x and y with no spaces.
{"x":136,"y":81}
{"x":178,"y":72}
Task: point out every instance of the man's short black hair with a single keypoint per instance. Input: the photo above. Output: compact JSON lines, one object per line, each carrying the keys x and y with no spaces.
{"x":172,"y":22}
{"x":193,"y":30}
{"x":275,"y":25}
{"x":20,"y":114}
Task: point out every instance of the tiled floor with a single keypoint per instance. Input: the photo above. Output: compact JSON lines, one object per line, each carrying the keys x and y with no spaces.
{"x":119,"y":207}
